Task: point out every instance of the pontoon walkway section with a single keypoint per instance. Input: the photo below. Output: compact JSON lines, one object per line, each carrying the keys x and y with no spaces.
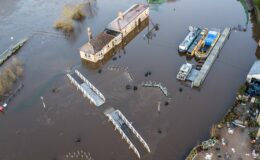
{"x":211,"y":58}
{"x":88,"y":90}
{"x":119,"y":120}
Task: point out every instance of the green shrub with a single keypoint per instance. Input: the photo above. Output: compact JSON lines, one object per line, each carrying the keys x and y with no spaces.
{"x":242,"y":89}
{"x":257,"y":2}
{"x":253,"y":134}
{"x":231,"y":116}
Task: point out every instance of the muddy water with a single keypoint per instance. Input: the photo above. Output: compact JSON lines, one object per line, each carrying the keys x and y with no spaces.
{"x":28,"y":131}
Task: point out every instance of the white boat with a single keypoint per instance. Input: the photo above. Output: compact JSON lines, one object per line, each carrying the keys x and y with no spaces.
{"x":184,"y":71}
{"x":189,"y":39}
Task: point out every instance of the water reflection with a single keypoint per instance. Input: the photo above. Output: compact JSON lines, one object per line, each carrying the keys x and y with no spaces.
{"x":91,"y":9}
{"x":121,"y":47}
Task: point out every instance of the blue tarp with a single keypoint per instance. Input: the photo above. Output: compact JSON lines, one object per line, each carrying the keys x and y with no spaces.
{"x":210,"y":38}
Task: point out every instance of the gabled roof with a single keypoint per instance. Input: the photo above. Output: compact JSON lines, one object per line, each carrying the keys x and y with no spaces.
{"x":128,"y":16}
{"x":96,"y":44}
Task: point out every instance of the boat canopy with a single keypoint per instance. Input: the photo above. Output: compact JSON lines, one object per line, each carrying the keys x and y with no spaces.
{"x":212,"y":35}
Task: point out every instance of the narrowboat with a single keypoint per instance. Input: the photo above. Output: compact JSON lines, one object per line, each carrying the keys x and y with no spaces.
{"x":189,"y":39}
{"x":208,"y":44}
{"x":197,"y":43}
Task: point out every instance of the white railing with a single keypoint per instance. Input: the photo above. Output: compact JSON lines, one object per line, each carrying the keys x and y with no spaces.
{"x":133,"y":130}
{"x":85,"y":94}
{"x":90,"y":85}
{"x":155,"y":84}
{"x":117,"y":127}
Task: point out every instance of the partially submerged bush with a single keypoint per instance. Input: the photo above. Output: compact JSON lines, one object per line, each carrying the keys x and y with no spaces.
{"x":9,"y":75}
{"x":257,"y":2}
{"x":70,"y":12}
{"x":64,"y":24}
{"x":74,"y":12}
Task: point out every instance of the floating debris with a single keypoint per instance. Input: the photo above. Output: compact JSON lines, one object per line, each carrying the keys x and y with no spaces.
{"x":127,"y":87}
{"x":78,"y":140}
{"x":147,"y":74}
{"x":44,"y":106}
{"x":159,"y":107}
{"x":100,"y":71}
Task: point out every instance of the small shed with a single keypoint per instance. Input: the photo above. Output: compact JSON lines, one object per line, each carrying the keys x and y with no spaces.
{"x":254,"y":72}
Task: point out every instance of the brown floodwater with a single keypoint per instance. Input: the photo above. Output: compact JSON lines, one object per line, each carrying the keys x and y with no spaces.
{"x":28,"y":131}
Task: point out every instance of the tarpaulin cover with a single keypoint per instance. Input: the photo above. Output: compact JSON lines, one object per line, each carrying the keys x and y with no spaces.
{"x":210,"y":38}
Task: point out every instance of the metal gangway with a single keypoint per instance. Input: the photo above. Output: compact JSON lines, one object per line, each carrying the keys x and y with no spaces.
{"x":155,"y":84}
{"x":115,"y":118}
{"x":88,"y":90}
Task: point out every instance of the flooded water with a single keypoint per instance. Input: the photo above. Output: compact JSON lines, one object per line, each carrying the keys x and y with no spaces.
{"x":69,"y":123}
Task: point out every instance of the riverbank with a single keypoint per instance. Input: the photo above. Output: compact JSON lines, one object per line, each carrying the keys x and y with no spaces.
{"x":236,"y":135}
{"x":257,"y":13}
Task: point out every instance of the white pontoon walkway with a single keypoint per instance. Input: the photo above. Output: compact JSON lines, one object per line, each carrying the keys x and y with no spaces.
{"x":211,"y":58}
{"x":120,"y":122}
{"x":88,"y":90}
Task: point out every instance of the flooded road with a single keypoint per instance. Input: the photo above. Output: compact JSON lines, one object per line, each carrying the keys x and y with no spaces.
{"x":28,"y":131}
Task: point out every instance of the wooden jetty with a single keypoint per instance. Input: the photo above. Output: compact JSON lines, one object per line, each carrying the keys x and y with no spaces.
{"x":155,"y":84}
{"x":120,"y":122}
{"x":211,"y":58}
{"x":88,"y":90}
{"x":11,"y":50}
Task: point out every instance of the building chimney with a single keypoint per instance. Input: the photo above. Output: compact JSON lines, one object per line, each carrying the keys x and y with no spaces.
{"x":89,"y":33}
{"x":120,"y":15}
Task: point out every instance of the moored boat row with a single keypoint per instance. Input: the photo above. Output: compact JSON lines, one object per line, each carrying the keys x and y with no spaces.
{"x":199,"y":42}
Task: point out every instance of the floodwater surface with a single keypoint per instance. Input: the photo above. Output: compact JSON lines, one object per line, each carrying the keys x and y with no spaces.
{"x":69,"y":123}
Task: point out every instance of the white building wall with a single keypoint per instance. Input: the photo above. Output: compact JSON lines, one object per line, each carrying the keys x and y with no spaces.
{"x":117,"y":40}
